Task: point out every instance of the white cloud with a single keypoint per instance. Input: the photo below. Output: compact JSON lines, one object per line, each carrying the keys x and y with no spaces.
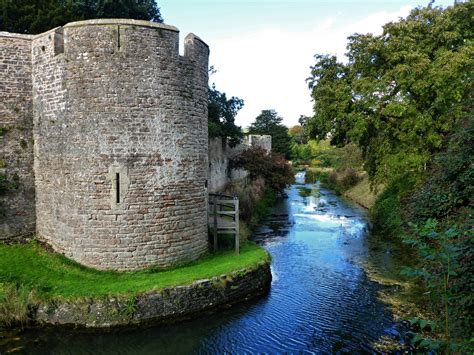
{"x":268,"y":68}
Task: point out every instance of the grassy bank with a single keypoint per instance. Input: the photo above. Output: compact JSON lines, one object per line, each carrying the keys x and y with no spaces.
{"x":339,"y":169}
{"x":353,"y":184}
{"x":30,"y":274}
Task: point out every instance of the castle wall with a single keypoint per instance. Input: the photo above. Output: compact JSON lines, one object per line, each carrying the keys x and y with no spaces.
{"x":121,"y":150}
{"x":220,"y":155}
{"x":256,"y":140}
{"x":17,"y":195}
{"x":220,"y":173}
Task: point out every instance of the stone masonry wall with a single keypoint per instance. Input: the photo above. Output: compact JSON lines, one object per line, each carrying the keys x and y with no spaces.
{"x":220,"y":173}
{"x":262,"y":141}
{"x":121,"y":149}
{"x":17,"y":195}
{"x":159,"y":306}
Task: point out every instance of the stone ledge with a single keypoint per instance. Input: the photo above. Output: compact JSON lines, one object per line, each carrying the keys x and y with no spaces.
{"x":27,"y":37}
{"x":119,"y":21}
{"x":167,"y":305}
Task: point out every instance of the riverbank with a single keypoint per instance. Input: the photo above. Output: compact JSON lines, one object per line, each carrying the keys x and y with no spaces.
{"x":386,"y":258}
{"x":41,"y":287}
{"x":320,"y":292}
{"x":352,"y":184}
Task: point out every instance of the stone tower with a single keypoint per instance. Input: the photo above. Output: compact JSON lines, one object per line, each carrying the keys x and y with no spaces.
{"x":120,"y":142}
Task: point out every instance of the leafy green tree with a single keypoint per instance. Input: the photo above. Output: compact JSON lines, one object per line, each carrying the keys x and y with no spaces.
{"x":401,"y":93}
{"x":268,"y":122}
{"x":331,"y":89}
{"x":26,"y":16}
{"x":36,"y":16}
{"x":221,"y":116}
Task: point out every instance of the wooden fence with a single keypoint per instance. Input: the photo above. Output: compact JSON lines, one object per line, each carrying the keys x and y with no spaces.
{"x":224,"y":217}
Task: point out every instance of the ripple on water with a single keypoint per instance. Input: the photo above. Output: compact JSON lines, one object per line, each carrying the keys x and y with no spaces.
{"x":320,"y":301}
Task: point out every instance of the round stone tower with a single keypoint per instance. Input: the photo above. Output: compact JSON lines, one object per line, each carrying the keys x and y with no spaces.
{"x":121,"y":145}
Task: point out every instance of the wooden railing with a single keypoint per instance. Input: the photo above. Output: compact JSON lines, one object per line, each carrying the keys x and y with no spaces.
{"x":224,"y":217}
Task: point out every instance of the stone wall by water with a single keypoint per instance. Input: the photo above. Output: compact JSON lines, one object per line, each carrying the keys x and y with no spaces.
{"x":120,"y":131}
{"x":159,"y":306}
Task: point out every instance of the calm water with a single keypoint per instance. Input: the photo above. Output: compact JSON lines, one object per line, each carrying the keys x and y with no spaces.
{"x":320,"y":300}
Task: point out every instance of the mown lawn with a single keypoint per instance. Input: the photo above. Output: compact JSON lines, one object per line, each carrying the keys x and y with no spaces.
{"x":53,"y":276}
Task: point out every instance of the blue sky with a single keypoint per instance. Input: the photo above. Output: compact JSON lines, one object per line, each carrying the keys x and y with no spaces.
{"x":262,"y":49}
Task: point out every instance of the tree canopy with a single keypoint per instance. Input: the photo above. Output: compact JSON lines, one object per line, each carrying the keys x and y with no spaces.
{"x":221,"y":116}
{"x":298,"y":134}
{"x":268,"y":122}
{"x":401,"y":92}
{"x":36,"y":16}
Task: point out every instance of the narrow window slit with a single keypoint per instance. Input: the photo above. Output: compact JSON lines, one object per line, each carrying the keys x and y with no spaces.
{"x":118,"y":37}
{"x":117,"y":187}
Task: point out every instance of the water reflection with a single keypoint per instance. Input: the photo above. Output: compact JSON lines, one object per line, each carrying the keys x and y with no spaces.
{"x":320,"y":301}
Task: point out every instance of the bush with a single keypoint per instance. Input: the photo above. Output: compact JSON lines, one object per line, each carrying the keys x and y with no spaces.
{"x":248,"y":196}
{"x":440,"y":211}
{"x":255,"y":203}
{"x":449,"y":183}
{"x":349,"y":179}
{"x":387,"y":210}
{"x":263,"y":207}
{"x":332,"y":179}
{"x":443,"y":270}
{"x":272,"y":167}
{"x":312,"y":176}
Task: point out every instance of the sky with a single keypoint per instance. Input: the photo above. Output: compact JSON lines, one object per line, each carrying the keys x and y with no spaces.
{"x":262,"y":50}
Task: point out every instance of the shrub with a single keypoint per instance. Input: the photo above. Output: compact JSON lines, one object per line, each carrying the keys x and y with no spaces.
{"x":442,"y":269}
{"x":386,"y":212}
{"x":272,"y":167}
{"x":349,"y":179}
{"x":263,"y":207}
{"x":248,"y":196}
{"x":332,"y":178}
{"x":449,"y":182}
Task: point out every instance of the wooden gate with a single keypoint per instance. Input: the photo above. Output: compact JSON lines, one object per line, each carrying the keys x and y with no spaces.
{"x":224,"y":217}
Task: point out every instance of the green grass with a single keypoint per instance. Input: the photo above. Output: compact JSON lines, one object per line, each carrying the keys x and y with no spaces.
{"x":53,"y":276}
{"x":362,"y":192}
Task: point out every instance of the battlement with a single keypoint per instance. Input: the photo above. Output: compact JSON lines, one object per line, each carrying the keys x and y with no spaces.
{"x":114,"y":34}
{"x":116,"y":135}
{"x":261,"y":141}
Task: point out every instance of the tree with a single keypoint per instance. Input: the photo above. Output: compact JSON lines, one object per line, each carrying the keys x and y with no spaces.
{"x":401,"y":93}
{"x":36,"y":16}
{"x":268,"y":122}
{"x":298,"y":134}
{"x":221,"y":116}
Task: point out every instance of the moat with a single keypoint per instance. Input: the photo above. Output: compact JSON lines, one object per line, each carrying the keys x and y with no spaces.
{"x":320,"y":301}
